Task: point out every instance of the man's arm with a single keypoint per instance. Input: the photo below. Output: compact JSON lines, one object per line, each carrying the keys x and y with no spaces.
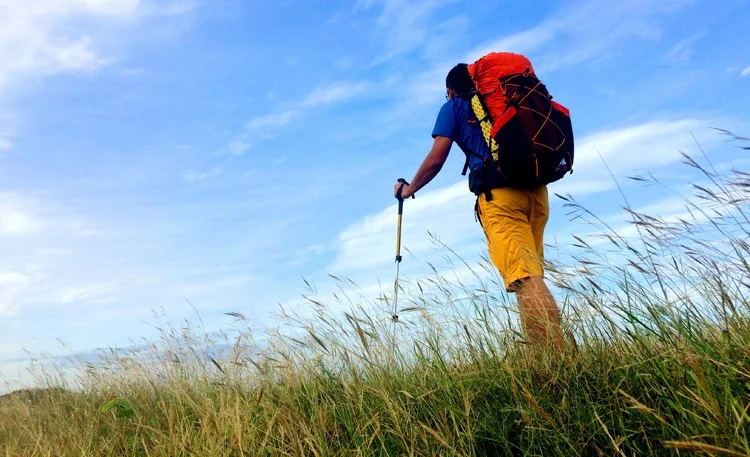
{"x":430,"y":166}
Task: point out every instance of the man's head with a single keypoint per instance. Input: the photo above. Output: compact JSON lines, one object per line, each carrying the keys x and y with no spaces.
{"x":458,"y":80}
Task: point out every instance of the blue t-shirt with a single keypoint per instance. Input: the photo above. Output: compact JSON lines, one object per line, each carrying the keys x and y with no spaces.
{"x":453,"y":122}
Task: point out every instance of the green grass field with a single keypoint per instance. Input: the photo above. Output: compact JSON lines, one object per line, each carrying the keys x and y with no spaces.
{"x":661,"y":365}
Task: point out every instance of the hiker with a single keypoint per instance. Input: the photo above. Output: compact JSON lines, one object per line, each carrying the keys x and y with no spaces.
{"x":512,"y":203}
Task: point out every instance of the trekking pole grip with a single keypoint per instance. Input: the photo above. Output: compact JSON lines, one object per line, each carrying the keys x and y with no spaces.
{"x":398,"y":193}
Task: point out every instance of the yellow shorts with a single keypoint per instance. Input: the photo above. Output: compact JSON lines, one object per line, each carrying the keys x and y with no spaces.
{"x":514,"y":221}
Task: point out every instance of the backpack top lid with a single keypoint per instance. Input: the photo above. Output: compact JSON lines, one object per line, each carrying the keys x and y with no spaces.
{"x":486,"y":71}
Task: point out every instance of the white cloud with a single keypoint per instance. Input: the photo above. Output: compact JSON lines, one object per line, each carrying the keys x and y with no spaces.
{"x":112,"y":8}
{"x":17,"y":216}
{"x":237,"y":148}
{"x":272,"y":121}
{"x":16,"y":222}
{"x":89,"y":293}
{"x":682,"y":52}
{"x":335,"y":93}
{"x":643,"y":146}
{"x":33,"y":39}
{"x":45,"y":37}
{"x":79,"y":56}
{"x":580,"y":188}
{"x":13,"y":278}
{"x":173,"y":7}
{"x":14,"y":285}
{"x":745,"y":72}
{"x":628,"y":150}
{"x":24,"y":215}
{"x":371,"y":241}
{"x":193,"y":176}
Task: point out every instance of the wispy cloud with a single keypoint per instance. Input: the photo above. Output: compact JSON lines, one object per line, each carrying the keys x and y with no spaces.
{"x":271,"y":121}
{"x":95,"y":293}
{"x":215,"y":171}
{"x":12,"y":284}
{"x":337,"y":92}
{"x":522,"y":42}
{"x":745,"y":72}
{"x":341,"y":91}
{"x":237,"y":148}
{"x":584,"y":31}
{"x":171,"y":7}
{"x":266,"y":126}
{"x":404,"y":24}
{"x":682,"y":52}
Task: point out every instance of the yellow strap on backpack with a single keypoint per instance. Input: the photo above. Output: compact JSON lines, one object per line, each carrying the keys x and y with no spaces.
{"x":486,"y":124}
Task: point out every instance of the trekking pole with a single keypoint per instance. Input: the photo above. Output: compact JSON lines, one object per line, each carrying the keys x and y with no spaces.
{"x":394,"y":316}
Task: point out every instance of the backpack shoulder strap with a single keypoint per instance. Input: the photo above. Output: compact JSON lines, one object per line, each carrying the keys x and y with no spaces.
{"x":485,"y":122}
{"x":482,"y":115}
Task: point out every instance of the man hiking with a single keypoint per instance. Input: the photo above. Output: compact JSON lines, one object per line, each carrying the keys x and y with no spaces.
{"x":513,"y":216}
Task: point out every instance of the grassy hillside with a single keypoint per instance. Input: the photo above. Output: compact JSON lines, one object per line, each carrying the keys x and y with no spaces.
{"x":661,"y":364}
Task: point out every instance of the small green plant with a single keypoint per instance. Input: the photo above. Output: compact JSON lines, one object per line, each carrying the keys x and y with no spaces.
{"x":119,"y":407}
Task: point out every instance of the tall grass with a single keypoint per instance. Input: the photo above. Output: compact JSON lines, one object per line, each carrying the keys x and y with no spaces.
{"x":660,"y":364}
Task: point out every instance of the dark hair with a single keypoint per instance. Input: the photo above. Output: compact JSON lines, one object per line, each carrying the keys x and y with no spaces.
{"x":459,"y":80}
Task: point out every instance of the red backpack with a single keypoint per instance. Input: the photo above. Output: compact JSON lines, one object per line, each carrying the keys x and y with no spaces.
{"x":530,"y":136}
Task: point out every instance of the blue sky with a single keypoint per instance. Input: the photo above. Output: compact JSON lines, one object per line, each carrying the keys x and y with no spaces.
{"x":220,"y":151}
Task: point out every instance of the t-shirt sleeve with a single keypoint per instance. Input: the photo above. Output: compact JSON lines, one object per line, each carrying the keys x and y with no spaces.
{"x":445,"y":125}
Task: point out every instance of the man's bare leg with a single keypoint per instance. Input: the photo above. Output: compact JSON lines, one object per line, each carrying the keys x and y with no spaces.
{"x":540,"y":316}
